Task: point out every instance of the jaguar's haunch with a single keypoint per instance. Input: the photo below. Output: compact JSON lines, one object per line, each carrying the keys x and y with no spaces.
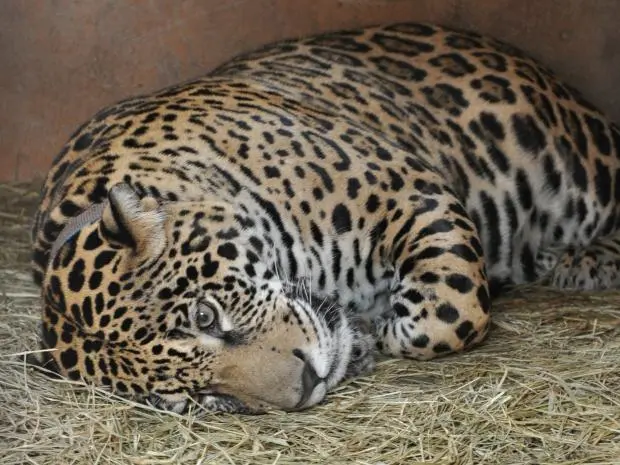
{"x":247,"y":239}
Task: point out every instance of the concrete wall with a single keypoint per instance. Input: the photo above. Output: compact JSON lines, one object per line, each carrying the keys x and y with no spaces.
{"x":62,"y":60}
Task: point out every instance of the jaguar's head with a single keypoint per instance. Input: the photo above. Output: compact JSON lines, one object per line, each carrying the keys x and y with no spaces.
{"x":171,"y":302}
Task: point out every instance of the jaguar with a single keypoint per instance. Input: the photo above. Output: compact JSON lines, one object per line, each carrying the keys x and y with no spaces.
{"x":246,"y":241}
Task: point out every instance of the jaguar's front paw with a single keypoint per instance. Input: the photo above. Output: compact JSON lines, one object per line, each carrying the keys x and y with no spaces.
{"x":363,"y":352}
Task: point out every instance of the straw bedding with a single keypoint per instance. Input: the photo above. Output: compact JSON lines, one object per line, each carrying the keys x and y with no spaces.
{"x":544,"y":388}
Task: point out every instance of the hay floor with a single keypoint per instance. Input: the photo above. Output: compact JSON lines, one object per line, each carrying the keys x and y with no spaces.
{"x":544,"y":388}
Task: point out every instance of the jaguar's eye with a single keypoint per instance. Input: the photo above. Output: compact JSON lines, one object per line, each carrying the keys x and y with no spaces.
{"x":205,"y":316}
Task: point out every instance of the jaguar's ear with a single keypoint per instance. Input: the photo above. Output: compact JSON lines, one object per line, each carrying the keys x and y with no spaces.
{"x":132,"y":222}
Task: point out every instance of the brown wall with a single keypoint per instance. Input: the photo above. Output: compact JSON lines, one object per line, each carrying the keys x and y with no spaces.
{"x":62,"y":60}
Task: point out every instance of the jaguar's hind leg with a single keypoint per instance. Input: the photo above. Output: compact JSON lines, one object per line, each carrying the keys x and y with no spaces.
{"x":439,"y":301}
{"x":591,"y":267}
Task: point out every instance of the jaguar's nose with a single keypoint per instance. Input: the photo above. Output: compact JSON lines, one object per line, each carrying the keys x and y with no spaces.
{"x":309,"y":378}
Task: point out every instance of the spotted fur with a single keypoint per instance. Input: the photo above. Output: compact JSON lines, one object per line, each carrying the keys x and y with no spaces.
{"x":266,"y":226}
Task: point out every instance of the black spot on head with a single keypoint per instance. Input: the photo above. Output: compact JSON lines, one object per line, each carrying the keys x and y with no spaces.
{"x":113,"y":289}
{"x":89,"y":366}
{"x":228,"y":250}
{"x":164,"y":294}
{"x":93,"y":241}
{"x":51,"y":229}
{"x":65,"y":255}
{"x":69,"y":209}
{"x":370,"y":178}
{"x":95,"y":280}
{"x":226,"y":234}
{"x":383,"y":154}
{"x":49,"y":335}
{"x":92,"y":345}
{"x":104,"y":258}
{"x":305,"y":207}
{"x":119,"y":312}
{"x":192,"y":273}
{"x":353,"y":186}
{"x":69,"y":358}
{"x":341,"y":219}
{"x":100,"y":303}
{"x":396,"y":181}
{"x":76,"y":276}
{"x":140,"y":333}
{"x":372,"y":204}
{"x":209,"y":266}
{"x":272,"y":172}
{"x":126,"y":324}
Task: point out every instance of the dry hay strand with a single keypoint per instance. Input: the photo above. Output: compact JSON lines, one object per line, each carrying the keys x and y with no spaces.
{"x":542,"y":389}
{"x":17,"y":203}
